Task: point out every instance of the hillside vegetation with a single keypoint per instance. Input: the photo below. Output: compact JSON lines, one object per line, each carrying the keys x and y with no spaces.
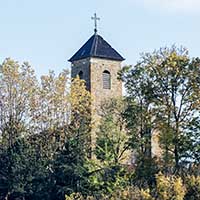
{"x":45,"y":133}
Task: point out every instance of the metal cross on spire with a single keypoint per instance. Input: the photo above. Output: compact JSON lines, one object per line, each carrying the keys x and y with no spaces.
{"x":95,"y":18}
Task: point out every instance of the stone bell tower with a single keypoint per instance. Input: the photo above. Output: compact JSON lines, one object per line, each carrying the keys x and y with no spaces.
{"x":98,"y":64}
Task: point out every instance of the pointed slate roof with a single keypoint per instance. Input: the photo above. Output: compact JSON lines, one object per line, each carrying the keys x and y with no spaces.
{"x":96,"y":47}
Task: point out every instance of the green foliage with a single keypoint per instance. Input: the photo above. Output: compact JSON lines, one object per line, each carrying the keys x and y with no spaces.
{"x":17,"y":86}
{"x":23,"y":172}
{"x":47,"y":133}
{"x":107,"y":173}
{"x":167,"y":188}
{"x":104,"y":180}
{"x":166,"y":85}
{"x":190,"y":144}
{"x":69,"y":166}
{"x":170,"y":187}
{"x":81,"y":121}
{"x":112,"y":142}
{"x":192,"y":187}
{"x":69,"y":170}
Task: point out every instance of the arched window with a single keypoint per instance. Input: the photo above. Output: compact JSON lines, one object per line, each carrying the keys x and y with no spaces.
{"x":106,"y":80}
{"x":80,"y":75}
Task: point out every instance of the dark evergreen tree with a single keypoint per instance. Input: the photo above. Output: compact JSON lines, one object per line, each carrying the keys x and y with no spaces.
{"x":24,"y":174}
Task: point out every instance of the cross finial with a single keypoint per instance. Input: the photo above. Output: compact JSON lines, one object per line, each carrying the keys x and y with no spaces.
{"x":95,"y":18}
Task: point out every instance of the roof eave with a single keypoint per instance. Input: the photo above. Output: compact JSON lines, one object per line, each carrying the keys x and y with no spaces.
{"x":101,"y":57}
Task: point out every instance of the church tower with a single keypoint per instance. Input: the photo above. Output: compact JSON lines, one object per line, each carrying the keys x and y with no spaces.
{"x":98,"y":64}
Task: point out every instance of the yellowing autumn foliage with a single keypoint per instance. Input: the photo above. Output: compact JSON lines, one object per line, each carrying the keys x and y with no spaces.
{"x":80,"y":99}
{"x":41,"y":109}
{"x":170,"y":187}
{"x":18,"y":85}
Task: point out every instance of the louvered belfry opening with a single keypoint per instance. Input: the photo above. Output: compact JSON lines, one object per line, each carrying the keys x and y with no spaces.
{"x":106,"y":80}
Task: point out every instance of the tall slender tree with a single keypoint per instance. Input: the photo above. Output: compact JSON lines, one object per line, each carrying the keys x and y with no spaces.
{"x":18,"y":85}
{"x":169,"y":80}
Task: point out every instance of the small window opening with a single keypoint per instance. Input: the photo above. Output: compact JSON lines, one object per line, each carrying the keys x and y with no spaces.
{"x":80,"y":75}
{"x":106,"y":80}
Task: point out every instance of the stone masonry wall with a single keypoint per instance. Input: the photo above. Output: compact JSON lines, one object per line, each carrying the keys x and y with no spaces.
{"x":84,"y":66}
{"x":92,"y":69}
{"x":97,"y":66}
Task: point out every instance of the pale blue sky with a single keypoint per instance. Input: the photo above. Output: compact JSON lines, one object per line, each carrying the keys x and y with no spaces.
{"x":48,"y":32}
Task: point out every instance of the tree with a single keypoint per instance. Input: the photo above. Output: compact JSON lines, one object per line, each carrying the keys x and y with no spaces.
{"x":17,"y":86}
{"x":112,"y":142}
{"x":24,"y":173}
{"x":81,"y":115}
{"x":108,"y":171}
{"x":50,"y":112}
{"x":40,"y":111}
{"x":70,"y":169}
{"x":140,"y":123}
{"x":169,"y":79}
{"x":34,"y":122}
